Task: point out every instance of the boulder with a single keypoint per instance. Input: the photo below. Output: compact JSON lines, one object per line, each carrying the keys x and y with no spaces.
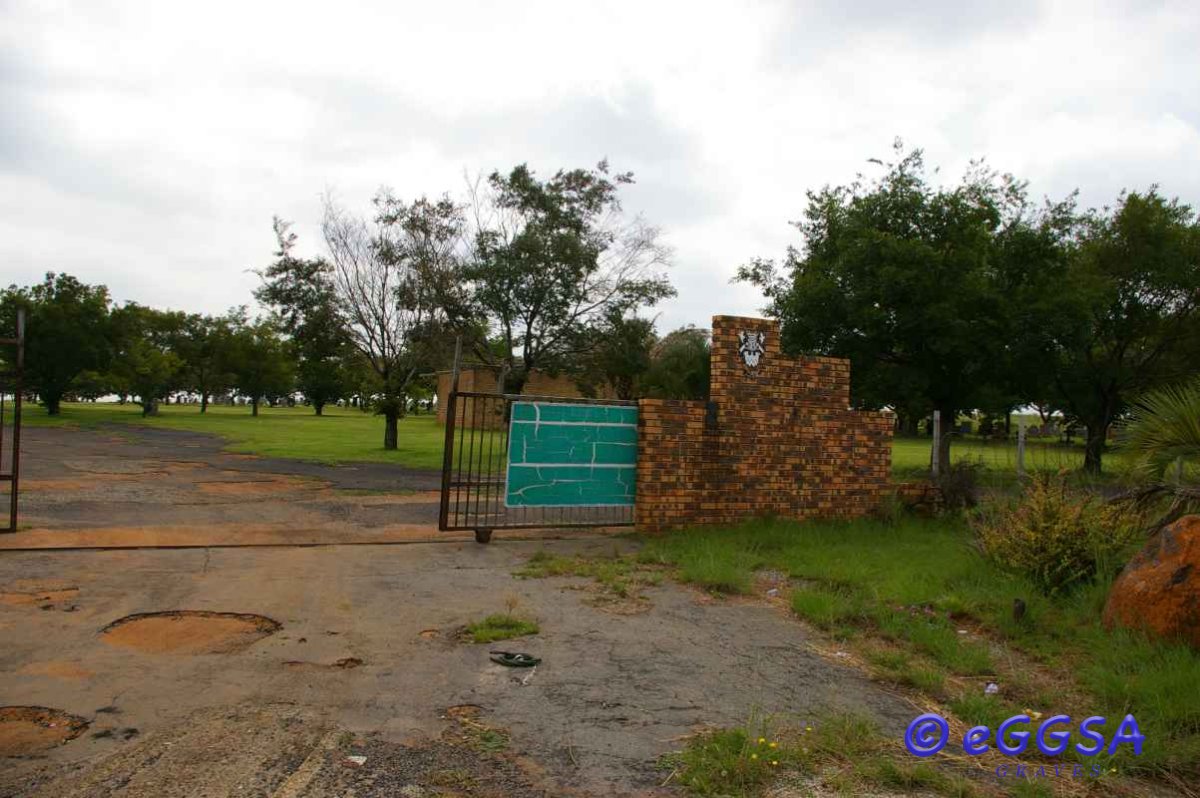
{"x":1159,"y":590}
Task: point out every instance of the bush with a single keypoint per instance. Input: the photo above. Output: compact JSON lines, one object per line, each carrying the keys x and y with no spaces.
{"x":959,"y":484}
{"x":1055,"y":536}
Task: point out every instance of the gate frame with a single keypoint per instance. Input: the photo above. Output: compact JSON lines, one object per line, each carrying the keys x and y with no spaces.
{"x":483,"y":533}
{"x":13,"y":476}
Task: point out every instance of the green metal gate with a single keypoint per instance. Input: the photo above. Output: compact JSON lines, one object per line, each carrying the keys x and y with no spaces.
{"x":514,"y":461}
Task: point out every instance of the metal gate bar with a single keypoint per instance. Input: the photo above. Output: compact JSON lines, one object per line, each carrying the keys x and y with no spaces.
{"x":474,"y":469}
{"x":11,"y":381}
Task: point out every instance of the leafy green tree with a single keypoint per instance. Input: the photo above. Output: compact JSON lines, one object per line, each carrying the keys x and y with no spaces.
{"x":619,"y":356}
{"x":679,"y":366}
{"x":552,"y":262}
{"x":204,"y":344}
{"x":1128,"y":316}
{"x":899,"y":276}
{"x":392,"y":280}
{"x":304,"y":298}
{"x":90,"y":385}
{"x":66,"y":332}
{"x":260,"y":363}
{"x":144,"y":362}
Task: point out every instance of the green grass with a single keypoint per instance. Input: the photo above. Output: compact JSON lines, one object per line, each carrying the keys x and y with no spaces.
{"x":910,"y":586}
{"x":843,"y":752}
{"x":500,"y":627}
{"x":340,"y":435}
{"x":349,"y":435}
{"x":910,"y":458}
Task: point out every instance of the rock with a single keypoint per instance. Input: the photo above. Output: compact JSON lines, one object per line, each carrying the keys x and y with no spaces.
{"x":1159,"y":590}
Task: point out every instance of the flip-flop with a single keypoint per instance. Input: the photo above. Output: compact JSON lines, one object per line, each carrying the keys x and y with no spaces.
{"x":513,"y":659}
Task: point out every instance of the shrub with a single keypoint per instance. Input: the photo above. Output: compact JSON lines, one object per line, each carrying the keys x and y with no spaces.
{"x":1055,"y":536}
{"x":959,"y":484}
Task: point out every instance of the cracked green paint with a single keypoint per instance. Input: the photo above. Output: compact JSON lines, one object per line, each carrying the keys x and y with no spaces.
{"x":569,"y":455}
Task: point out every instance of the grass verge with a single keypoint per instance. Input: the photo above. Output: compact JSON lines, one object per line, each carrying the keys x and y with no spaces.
{"x":917,"y":605}
{"x":840,"y":753}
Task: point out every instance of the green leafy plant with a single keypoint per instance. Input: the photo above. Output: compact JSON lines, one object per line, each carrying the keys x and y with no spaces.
{"x":1055,"y":536}
{"x":500,"y":627}
{"x":959,"y":484}
{"x":1163,"y":435}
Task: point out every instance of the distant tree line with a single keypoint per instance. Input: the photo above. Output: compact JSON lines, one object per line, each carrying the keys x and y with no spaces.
{"x":973,"y":297}
{"x":529,"y":273}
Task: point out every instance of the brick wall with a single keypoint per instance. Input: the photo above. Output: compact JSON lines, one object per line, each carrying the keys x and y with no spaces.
{"x":482,"y":379}
{"x":776,"y":439}
{"x":485,"y":379}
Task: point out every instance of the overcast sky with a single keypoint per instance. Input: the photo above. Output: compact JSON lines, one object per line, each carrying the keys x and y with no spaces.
{"x":146,"y":145}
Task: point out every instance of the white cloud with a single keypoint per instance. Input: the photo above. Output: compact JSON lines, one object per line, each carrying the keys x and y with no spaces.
{"x":147,"y":145}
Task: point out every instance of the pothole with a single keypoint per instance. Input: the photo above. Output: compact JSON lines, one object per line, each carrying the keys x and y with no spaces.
{"x":189,"y":631}
{"x":345,"y":663}
{"x":39,"y":595}
{"x":25,"y":731}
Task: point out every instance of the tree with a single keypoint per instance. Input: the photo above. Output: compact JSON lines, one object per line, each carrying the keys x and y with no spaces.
{"x":899,"y":276}
{"x":552,"y":262}
{"x":679,"y":366}
{"x":1128,"y":318}
{"x":260,"y":363}
{"x":619,"y":356}
{"x":304,"y":298}
{"x":204,"y":343}
{"x":144,"y":362}
{"x":65,"y":332}
{"x":391,"y":279}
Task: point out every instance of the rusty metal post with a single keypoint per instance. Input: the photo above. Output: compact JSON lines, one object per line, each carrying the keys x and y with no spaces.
{"x":13,"y":477}
{"x":448,"y":443}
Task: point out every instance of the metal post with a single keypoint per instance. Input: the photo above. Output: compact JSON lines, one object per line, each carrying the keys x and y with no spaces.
{"x":937,"y":442}
{"x":1021,"y":446}
{"x":14,"y":477}
{"x":448,"y":443}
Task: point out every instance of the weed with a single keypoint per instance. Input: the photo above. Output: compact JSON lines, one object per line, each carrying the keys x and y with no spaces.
{"x":500,"y":627}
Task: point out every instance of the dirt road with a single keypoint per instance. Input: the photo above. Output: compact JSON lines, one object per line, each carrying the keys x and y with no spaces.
{"x":337,"y":670}
{"x":613,"y":693}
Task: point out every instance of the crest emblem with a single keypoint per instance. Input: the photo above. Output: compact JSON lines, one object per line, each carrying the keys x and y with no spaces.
{"x":750,"y":347}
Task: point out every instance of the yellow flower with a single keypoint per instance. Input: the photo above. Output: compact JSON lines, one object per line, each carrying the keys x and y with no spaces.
{"x":754,"y":756}
{"x":774,"y":761}
{"x":762,"y":740}
{"x":774,"y":745}
{"x":808,"y":728}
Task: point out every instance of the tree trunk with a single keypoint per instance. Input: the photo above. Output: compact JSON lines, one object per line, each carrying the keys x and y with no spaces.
{"x":1093,"y":451}
{"x":391,"y":430}
{"x":254,"y":406}
{"x":318,"y":408}
{"x":150,"y":408}
{"x":52,"y":405}
{"x":203,"y":403}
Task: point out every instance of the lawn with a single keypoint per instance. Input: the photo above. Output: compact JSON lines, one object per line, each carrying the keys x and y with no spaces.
{"x":340,"y":435}
{"x":919,"y":607}
{"x":347,"y":434}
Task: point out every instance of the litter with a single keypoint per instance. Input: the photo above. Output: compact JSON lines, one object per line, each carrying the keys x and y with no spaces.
{"x":514,"y":659}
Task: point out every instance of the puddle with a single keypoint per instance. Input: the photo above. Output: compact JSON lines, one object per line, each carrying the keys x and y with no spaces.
{"x":189,"y":631}
{"x":30,"y":730}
